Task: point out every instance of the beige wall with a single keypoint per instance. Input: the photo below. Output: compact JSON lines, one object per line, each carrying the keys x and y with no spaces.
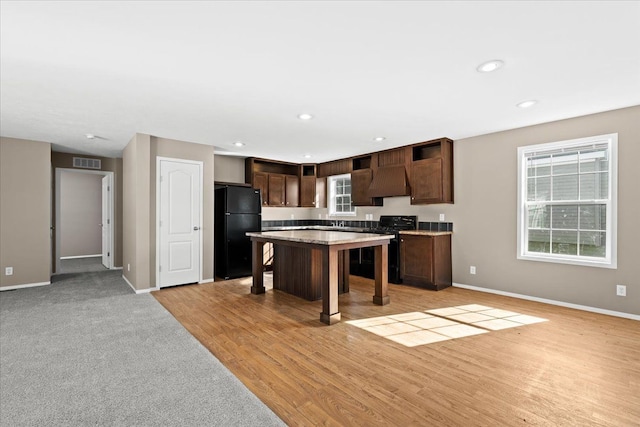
{"x":140,"y":157}
{"x":136,"y":212}
{"x":80,"y":232}
{"x":25,"y":216}
{"x":229,"y":169}
{"x":65,"y":161}
{"x":484,"y":216}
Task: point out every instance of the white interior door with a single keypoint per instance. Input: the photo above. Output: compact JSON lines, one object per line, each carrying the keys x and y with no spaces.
{"x":106,"y":221}
{"x":179,"y":223}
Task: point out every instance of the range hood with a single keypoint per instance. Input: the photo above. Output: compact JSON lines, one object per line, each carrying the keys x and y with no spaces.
{"x":390,"y":181}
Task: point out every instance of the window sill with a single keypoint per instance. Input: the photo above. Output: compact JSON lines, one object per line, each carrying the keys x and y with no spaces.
{"x":570,"y":260}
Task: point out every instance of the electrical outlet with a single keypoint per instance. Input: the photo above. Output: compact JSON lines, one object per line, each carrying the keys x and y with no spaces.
{"x":472,"y":269}
{"x":621,"y":290}
{"x":441,"y":217}
{"x":292,"y":216}
{"x":8,"y":271}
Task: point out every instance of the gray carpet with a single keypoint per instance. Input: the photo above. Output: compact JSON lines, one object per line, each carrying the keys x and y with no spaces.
{"x":87,"y":351}
{"x":81,"y":265}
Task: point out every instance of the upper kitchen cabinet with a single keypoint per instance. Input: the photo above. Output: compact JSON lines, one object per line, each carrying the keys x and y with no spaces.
{"x":278,"y":181}
{"x":432,"y":172}
{"x":313,"y":190}
{"x":336,"y":167}
{"x":276,"y":189}
{"x":260,"y":181}
{"x":361,"y":177}
{"x":291,"y":191}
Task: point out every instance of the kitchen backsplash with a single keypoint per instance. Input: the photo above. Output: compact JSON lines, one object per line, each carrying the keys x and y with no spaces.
{"x":431,"y":226}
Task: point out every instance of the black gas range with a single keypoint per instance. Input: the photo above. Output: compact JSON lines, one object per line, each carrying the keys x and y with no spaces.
{"x":362,"y":261}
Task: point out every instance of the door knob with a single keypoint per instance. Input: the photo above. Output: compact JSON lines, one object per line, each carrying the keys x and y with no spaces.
{"x":196,"y":228}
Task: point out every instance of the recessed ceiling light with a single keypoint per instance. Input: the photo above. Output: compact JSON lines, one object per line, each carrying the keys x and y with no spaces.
{"x":379,"y":138}
{"x":527,"y":104}
{"x":305,"y":116}
{"x":489,"y":66}
{"x":238,"y":144}
{"x":307,"y":156}
{"x":90,"y":136}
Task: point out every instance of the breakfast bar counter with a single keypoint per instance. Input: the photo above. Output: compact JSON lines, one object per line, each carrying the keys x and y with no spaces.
{"x":308,"y":260}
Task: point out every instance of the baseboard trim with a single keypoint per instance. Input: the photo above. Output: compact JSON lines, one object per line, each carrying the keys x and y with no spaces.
{"x":26,"y":285}
{"x":205,"y":281}
{"x":137,"y":291}
{"x":550,"y":301}
{"x":81,"y":256}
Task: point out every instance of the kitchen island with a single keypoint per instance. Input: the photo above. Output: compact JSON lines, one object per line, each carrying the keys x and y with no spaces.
{"x":321,"y":248}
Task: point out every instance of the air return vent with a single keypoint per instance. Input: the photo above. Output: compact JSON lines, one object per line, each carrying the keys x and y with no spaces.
{"x":81,"y":162}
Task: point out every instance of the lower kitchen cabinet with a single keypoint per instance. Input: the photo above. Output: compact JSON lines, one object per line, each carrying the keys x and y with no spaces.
{"x":425,"y":260}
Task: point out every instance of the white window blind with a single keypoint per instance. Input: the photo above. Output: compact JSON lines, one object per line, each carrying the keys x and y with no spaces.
{"x":566,"y":201}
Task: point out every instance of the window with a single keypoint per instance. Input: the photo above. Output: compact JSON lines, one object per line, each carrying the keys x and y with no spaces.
{"x":567,"y":201}
{"x":340,"y":195}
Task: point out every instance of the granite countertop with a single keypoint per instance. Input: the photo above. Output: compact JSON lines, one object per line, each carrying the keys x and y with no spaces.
{"x":316,"y":227}
{"x":322,"y":237}
{"x":426,"y":232}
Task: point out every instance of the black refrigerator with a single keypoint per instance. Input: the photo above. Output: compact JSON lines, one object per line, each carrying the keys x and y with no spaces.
{"x":237,"y":210}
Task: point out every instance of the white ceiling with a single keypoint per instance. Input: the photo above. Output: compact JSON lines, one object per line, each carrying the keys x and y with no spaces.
{"x":219,"y":72}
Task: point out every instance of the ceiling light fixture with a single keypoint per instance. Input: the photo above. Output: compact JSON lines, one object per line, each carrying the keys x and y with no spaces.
{"x":238,"y":144}
{"x":527,"y":104}
{"x":489,"y":66}
{"x":379,"y":138}
{"x":305,"y":116}
{"x":307,"y":156}
{"x":90,"y":136}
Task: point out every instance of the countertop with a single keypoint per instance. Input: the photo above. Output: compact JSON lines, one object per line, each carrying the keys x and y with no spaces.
{"x":321,"y":237}
{"x":316,"y":227}
{"x":353,"y":229}
{"x":426,"y":233}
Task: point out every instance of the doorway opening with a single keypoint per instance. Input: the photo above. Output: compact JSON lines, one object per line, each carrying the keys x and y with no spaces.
{"x":84,"y":228}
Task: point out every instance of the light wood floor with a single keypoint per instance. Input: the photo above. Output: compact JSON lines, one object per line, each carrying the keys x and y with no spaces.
{"x":575,"y":369}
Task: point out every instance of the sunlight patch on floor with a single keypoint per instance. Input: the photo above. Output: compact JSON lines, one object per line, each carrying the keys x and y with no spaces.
{"x":419,"y":328}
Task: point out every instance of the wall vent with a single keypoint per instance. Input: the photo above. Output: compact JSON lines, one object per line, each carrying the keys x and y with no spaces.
{"x":81,"y":162}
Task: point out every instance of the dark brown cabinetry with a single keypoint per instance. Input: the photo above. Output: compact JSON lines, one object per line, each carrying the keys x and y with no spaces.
{"x":423,"y":170}
{"x":276,"y":190}
{"x":361,"y":177}
{"x":308,"y":191}
{"x":278,"y":182}
{"x":292,"y":191}
{"x":432,"y":172}
{"x":392,"y":157}
{"x":313,"y":191}
{"x":336,"y":167}
{"x":260,"y":181}
{"x":390,"y":173}
{"x":425,"y":260}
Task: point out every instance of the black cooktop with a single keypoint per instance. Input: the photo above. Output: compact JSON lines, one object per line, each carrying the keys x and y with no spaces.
{"x":394,"y":223}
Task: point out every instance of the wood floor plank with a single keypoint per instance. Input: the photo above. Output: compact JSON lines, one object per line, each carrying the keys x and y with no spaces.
{"x":574,"y":368}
